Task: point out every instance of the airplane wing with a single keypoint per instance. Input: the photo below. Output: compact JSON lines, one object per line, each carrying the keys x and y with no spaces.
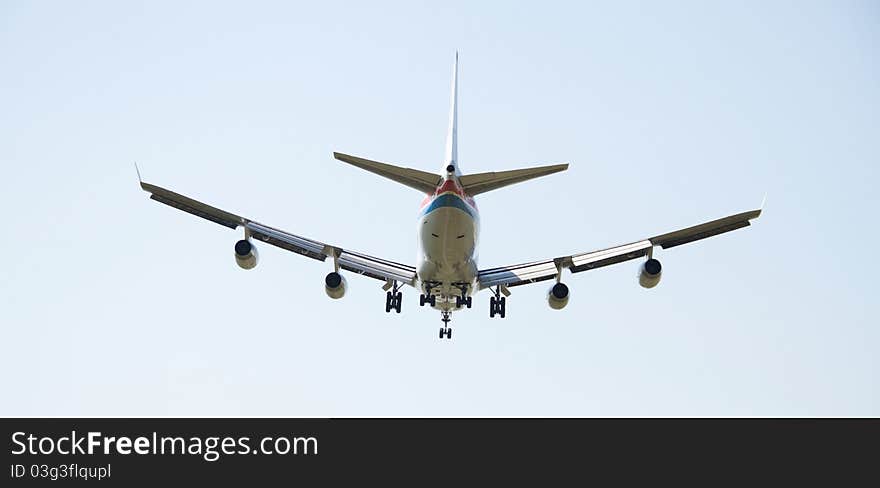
{"x":355,"y":262}
{"x":522,"y":274}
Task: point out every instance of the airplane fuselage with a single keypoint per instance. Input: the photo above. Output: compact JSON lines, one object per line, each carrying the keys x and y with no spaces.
{"x":449,"y":228}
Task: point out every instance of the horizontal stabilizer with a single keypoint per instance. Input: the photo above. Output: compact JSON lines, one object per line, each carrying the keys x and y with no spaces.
{"x":413,"y":178}
{"x":482,"y":182}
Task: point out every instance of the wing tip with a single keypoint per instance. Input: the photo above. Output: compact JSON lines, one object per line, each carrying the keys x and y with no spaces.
{"x":140,"y":179}
{"x":758,"y":211}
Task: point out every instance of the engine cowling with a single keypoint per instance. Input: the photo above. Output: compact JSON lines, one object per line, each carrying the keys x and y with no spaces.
{"x":246,"y":254}
{"x":334,"y":285}
{"x":649,"y":274}
{"x":557,"y":296}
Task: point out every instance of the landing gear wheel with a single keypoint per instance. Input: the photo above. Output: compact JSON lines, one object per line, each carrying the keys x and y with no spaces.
{"x":449,"y":332}
{"x":442,"y":332}
{"x":497,"y":305}
{"x":393,"y":301}
{"x":428,"y":297}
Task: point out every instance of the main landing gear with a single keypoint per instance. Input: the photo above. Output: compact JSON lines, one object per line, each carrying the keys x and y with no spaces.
{"x":463,"y":300}
{"x":446,"y":331}
{"x":427,"y":297}
{"x":393,"y":298}
{"x":497,"y":304}
{"x":423,"y":299}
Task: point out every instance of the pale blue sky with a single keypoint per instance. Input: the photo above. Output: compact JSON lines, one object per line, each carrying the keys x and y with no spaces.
{"x":670,"y":113}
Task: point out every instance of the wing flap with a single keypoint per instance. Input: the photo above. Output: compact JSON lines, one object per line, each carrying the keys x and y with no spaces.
{"x":290,"y":242}
{"x":702,"y":231}
{"x":520,"y":274}
{"x":380,"y":269}
{"x":606,"y":257}
{"x":534,"y":272}
{"x":191,"y":206}
{"x":377,"y":268}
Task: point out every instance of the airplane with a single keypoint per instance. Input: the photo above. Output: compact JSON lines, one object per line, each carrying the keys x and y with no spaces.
{"x":446,"y":272}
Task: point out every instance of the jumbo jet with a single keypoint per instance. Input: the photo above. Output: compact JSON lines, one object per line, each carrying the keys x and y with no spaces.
{"x":446,"y":272}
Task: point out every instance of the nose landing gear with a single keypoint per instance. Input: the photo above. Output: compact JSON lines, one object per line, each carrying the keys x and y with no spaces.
{"x":446,"y":330}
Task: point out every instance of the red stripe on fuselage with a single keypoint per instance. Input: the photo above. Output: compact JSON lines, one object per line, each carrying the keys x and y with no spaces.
{"x":449,"y":186}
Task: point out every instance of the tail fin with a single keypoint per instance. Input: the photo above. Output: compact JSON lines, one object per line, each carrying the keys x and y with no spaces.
{"x":451,"y":156}
{"x":482,"y":182}
{"x":413,"y":178}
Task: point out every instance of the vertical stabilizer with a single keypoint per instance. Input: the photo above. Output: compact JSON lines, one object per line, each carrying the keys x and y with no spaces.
{"x":452,"y":134}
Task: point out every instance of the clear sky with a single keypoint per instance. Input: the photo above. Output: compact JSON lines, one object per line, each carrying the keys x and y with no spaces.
{"x":670,"y":113}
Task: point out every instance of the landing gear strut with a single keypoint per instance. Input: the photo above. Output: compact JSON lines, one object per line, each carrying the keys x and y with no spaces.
{"x":393,"y":299}
{"x":445,"y":330}
{"x":463,"y":300}
{"x":497,"y":304}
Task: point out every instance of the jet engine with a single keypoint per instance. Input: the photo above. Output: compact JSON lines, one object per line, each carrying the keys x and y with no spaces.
{"x":557,"y":296}
{"x":334,"y":285}
{"x":649,"y":273}
{"x":246,"y":254}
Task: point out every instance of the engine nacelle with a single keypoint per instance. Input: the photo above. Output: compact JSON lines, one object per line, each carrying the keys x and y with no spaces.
{"x":334,"y":285}
{"x":557,"y":296}
{"x":246,"y":254}
{"x":649,"y":274}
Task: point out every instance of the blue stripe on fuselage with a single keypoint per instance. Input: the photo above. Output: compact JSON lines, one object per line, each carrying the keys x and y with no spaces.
{"x":450,"y":200}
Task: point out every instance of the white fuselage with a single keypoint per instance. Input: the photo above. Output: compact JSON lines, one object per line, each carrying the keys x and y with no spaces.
{"x":448,"y":227}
